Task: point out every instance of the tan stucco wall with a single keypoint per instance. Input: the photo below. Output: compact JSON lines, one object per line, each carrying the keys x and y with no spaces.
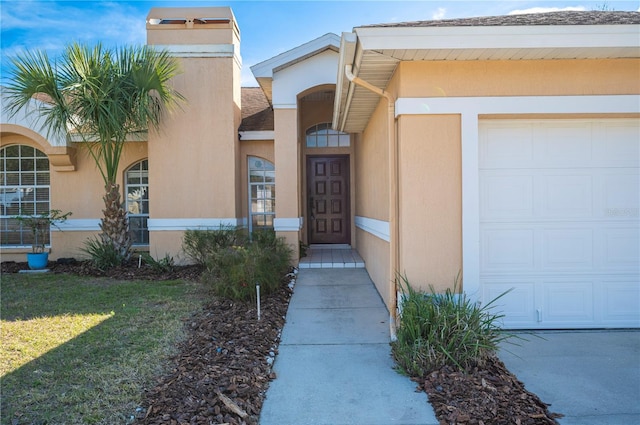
{"x":430,"y":199}
{"x":372,"y":168}
{"x":196,"y":146}
{"x":519,"y":78}
{"x":377,"y":251}
{"x":288,"y":177}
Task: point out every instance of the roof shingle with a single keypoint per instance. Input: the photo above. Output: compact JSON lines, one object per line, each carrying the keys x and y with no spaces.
{"x":550,"y":18}
{"x":257,"y":114}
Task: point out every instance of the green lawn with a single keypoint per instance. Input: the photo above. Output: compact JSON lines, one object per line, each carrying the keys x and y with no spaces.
{"x":81,"y":350}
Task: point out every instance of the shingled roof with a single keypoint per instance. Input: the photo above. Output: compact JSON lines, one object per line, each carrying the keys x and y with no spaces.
{"x":257,"y":114}
{"x":550,"y":18}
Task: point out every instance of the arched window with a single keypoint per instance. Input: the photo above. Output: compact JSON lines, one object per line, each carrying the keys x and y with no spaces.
{"x":137,"y":189}
{"x":262,"y":193}
{"x":24,"y":190}
{"x":323,"y":136}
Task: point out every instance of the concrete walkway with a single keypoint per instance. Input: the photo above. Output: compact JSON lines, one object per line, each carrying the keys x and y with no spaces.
{"x":334,"y":364}
{"x":592,"y":377}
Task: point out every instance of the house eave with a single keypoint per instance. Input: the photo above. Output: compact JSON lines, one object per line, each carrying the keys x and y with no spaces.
{"x":378,"y":50}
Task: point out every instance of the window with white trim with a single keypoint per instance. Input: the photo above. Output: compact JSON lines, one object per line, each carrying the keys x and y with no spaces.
{"x":262,"y":193}
{"x":137,"y":190}
{"x":24,"y":190}
{"x":323,"y":136}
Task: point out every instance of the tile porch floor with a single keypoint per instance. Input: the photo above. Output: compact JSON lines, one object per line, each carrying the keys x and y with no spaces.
{"x":331,"y":257}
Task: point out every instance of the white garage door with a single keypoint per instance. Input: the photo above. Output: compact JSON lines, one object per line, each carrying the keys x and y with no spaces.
{"x":560,"y":221}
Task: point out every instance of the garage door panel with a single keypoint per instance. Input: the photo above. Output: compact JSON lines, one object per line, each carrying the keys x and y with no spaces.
{"x":618,"y":142}
{"x":621,"y":302}
{"x":516,"y":300}
{"x":568,"y":301}
{"x":507,"y":249}
{"x":565,"y":142}
{"x":560,"y":221}
{"x":567,"y":249}
{"x":621,"y":248}
{"x":508,"y":196}
{"x":511,"y":144}
{"x":567,"y":196}
{"x":621,"y":194}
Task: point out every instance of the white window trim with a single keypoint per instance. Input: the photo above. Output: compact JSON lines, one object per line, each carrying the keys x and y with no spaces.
{"x":470,"y":108}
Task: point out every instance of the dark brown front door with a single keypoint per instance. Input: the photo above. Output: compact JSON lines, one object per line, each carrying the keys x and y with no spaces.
{"x":328,"y":200}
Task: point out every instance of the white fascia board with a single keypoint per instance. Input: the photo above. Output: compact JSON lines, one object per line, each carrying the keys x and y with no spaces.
{"x":598,"y":104}
{"x":257,"y":135}
{"x":377,"y":228}
{"x":503,"y":37}
{"x":287,"y":224}
{"x":171,"y":224}
{"x":342,"y":96}
{"x":268,"y":67}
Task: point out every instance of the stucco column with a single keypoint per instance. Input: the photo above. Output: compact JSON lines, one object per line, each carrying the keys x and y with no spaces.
{"x":287,"y":163}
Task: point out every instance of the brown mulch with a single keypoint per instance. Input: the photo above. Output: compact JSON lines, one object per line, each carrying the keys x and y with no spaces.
{"x":224,"y":366}
{"x":487,"y":395}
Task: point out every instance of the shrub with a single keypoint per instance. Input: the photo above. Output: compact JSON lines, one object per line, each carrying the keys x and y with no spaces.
{"x":438,"y":329}
{"x":233,"y":271}
{"x":199,"y":245}
{"x":103,"y":255}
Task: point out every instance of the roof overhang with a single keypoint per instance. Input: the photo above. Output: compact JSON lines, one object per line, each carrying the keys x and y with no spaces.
{"x":264,"y":71}
{"x":374,"y":53}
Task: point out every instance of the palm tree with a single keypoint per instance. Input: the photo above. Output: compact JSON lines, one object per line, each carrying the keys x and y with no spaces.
{"x":101,"y":96}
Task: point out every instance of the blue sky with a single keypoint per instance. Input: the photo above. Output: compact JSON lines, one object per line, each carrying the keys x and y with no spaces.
{"x":267,"y":27}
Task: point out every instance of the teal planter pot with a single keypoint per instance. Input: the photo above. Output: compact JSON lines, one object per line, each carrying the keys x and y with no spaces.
{"x":37,"y":260}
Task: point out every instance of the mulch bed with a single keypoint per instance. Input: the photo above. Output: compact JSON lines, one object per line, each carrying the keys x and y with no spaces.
{"x":487,"y":395}
{"x":223,"y":367}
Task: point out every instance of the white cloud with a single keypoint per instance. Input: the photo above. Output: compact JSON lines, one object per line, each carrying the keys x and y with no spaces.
{"x":546,"y":9}
{"x":439,"y":14}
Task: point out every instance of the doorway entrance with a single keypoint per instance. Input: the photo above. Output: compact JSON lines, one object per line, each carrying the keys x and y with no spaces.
{"x":328,"y":199}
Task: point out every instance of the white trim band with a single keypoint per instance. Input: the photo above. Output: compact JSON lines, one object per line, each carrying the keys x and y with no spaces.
{"x":377,"y":228}
{"x":199,"y":50}
{"x":171,"y":224}
{"x":257,"y":135}
{"x":78,"y":225}
{"x":616,"y":104}
{"x":287,"y":224}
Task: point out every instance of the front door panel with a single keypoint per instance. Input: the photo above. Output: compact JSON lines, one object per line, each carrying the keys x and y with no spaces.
{"x":328,"y":200}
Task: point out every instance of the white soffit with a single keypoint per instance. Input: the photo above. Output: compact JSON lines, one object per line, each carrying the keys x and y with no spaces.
{"x":263,"y":71}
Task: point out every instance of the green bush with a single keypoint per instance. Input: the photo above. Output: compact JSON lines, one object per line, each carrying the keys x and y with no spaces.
{"x":103,"y":255}
{"x":199,"y":245}
{"x":234,"y":264}
{"x":438,"y":329}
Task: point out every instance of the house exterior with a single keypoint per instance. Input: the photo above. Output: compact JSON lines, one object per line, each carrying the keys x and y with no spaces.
{"x":502,"y":149}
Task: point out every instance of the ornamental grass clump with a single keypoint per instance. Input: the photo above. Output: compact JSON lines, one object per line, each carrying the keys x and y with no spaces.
{"x":438,"y":329}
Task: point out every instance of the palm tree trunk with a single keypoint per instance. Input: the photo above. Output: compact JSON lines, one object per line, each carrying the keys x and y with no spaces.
{"x":115,"y":223}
